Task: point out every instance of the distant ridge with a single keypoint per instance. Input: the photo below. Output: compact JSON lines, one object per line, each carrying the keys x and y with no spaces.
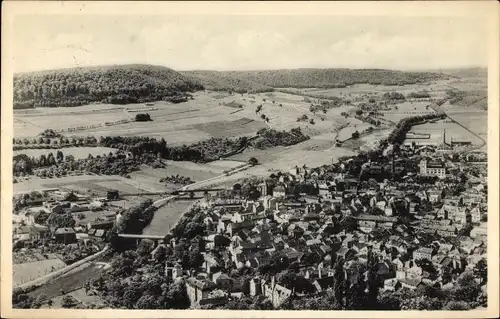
{"x":139,"y":83}
{"x":307,"y":78}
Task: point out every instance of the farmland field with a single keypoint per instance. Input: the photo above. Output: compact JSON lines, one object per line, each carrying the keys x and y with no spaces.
{"x":77,"y":152}
{"x":199,"y":119}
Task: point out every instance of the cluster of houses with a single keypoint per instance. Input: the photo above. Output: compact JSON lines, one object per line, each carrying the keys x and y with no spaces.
{"x":417,"y":235}
{"x":56,"y":202}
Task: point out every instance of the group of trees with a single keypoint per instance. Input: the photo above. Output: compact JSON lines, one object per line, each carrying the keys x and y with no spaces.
{"x":394,"y":96}
{"x":303,"y":118}
{"x":464,"y":295}
{"x":113,"y":84}
{"x":111,"y":164}
{"x":143,"y":117}
{"x":177,"y":179}
{"x":267,"y":138}
{"x":123,"y":286}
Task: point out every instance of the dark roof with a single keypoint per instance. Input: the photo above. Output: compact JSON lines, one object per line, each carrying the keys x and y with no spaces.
{"x":64,"y":231}
{"x":325,"y":283}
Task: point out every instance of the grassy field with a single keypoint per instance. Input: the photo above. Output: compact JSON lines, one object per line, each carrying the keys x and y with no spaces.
{"x":77,"y":152}
{"x":26,"y":272}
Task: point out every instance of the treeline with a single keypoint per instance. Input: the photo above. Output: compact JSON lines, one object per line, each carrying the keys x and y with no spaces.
{"x":60,"y":165}
{"x":203,"y":151}
{"x":111,"y":84}
{"x":221,"y":81}
{"x":332,"y":78}
{"x":419,"y":95}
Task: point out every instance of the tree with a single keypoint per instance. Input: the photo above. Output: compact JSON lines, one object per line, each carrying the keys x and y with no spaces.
{"x":253,"y":161}
{"x":481,"y":270}
{"x":67,"y":301}
{"x":177,"y":297}
{"x":195,"y":258}
{"x":339,"y":284}
{"x":373,"y":281}
{"x":355,"y":135}
{"x":60,"y":156}
{"x":466,"y":288}
{"x":160,"y":255}
{"x":192,"y":229}
{"x":146,"y":302}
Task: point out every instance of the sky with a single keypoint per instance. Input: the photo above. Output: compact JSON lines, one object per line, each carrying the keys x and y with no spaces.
{"x":225,"y":42}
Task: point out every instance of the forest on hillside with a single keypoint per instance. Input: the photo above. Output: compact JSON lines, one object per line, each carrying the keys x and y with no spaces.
{"x":331,"y":78}
{"x":222,"y":81}
{"x":112,"y":84}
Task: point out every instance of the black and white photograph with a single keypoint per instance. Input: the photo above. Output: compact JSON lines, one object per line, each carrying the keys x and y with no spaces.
{"x":251,"y":159}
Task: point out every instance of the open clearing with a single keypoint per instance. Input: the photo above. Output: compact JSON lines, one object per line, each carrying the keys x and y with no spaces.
{"x":77,"y":152}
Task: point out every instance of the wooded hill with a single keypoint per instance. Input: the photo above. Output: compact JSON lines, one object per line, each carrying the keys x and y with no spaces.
{"x":222,"y":81}
{"x":331,"y":78}
{"x":120,"y":84}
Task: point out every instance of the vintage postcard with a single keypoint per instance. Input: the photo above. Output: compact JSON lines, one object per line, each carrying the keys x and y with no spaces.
{"x":250,"y":159}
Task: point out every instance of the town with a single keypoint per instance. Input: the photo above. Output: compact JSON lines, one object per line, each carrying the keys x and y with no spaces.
{"x":362,"y":233}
